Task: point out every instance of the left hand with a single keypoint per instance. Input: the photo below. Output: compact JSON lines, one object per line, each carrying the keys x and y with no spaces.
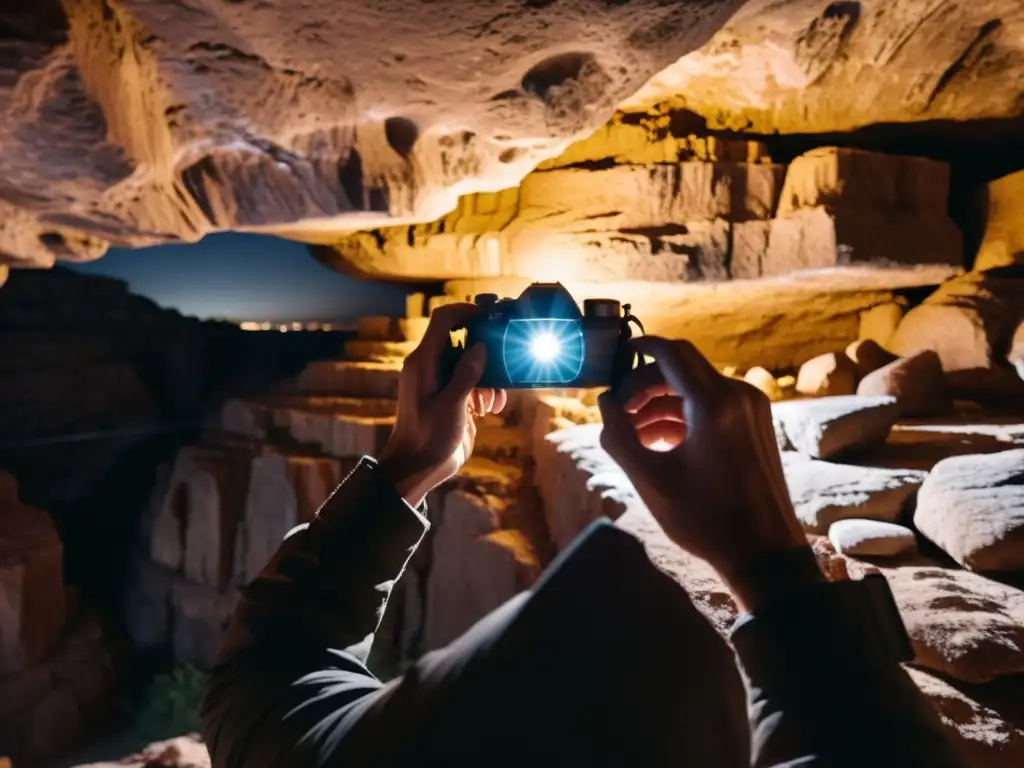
{"x":435,"y":430}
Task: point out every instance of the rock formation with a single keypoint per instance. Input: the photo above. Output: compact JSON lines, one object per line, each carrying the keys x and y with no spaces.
{"x":140,"y":121}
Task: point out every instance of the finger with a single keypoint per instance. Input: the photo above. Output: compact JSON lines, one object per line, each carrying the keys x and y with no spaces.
{"x":662,"y":434}
{"x":687,"y":371}
{"x":618,"y":437}
{"x":500,"y":401}
{"x":663,"y":408}
{"x":477,"y":399}
{"x":467,"y":373}
{"x":639,"y":385}
{"x":486,"y":400}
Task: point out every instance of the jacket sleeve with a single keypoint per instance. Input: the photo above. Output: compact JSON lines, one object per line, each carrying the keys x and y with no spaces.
{"x":322,"y":594}
{"x":824,"y":689}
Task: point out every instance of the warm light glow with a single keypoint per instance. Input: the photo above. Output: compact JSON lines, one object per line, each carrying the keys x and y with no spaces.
{"x":661,"y":445}
{"x":545,"y":347}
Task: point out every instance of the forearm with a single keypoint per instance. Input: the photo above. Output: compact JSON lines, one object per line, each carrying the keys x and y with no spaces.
{"x":329,"y":582}
{"x":824,"y":681}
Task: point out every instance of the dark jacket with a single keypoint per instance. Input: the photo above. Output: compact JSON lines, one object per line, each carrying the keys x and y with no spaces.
{"x":605,"y":661}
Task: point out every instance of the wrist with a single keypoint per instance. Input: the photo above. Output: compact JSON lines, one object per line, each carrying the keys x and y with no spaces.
{"x":770,"y":575}
{"x":408,"y":480}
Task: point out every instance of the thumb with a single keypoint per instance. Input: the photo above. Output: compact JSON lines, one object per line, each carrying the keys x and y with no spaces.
{"x":467,"y":373}
{"x":618,"y":436}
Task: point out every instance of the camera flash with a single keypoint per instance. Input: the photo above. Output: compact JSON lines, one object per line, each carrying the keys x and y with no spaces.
{"x":545,"y":347}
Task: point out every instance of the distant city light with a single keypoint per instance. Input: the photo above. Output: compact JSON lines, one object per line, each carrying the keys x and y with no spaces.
{"x":299,"y":326}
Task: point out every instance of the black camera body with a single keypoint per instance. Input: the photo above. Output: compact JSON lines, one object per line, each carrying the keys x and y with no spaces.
{"x":542,"y":340}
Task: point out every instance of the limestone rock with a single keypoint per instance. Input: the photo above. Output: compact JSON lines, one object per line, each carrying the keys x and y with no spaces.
{"x":764,"y":381}
{"x":986,"y":738}
{"x":961,"y":624}
{"x":147,"y":611}
{"x":349,"y":378}
{"x":871,"y":538}
{"x":475,"y":565}
{"x":200,"y":616}
{"x":823,"y":492}
{"x":830,"y":427}
{"x":829,"y":374}
{"x":973,"y":507}
{"x":259,"y":112}
{"x":868,"y":356}
{"x":578,"y":482}
{"x":792,"y":67}
{"x":282,"y":491}
{"x":969,"y":321}
{"x":32,"y":594}
{"x":917,"y":383}
{"x":878,"y":324}
{"x":1003,"y":240}
{"x":194,"y":529}
{"x":63,"y":701}
{"x":180,"y":752}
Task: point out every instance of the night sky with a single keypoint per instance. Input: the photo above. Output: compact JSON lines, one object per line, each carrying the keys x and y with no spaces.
{"x":246,"y":277}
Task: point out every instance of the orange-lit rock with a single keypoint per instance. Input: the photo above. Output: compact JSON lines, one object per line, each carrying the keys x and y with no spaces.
{"x":32,"y":593}
{"x":1003,"y":242}
{"x":794,"y":66}
{"x":143,"y":122}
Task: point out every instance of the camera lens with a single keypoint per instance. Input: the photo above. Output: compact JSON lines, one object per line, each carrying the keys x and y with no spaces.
{"x":601,"y":308}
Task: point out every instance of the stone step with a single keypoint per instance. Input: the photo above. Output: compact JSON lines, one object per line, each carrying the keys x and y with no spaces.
{"x":364,"y":350}
{"x":349,"y":378}
{"x":378,"y":328}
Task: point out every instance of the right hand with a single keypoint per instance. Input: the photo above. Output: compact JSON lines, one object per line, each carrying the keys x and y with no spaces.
{"x":718,"y":491}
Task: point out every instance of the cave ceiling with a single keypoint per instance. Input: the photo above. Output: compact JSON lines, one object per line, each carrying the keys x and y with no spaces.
{"x":137,"y":122}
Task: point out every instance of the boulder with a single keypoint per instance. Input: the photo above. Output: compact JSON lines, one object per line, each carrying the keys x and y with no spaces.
{"x":878,"y":324}
{"x":973,"y":507}
{"x":831,"y":427}
{"x":764,"y":381}
{"x":823,"y":492}
{"x":918,"y":384}
{"x":1003,"y":241}
{"x":961,"y":625}
{"x":827,"y":375}
{"x":987,"y":739}
{"x":32,"y":593}
{"x":969,"y":321}
{"x":867,"y":355}
{"x":871,"y":538}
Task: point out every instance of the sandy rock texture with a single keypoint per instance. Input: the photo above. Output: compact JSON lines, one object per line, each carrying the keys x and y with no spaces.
{"x":141,"y":121}
{"x":961,"y":624}
{"x":808,"y":66}
{"x":973,"y":507}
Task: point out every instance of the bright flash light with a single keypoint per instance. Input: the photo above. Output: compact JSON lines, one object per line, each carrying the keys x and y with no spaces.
{"x":661,"y":445}
{"x":545,"y":347}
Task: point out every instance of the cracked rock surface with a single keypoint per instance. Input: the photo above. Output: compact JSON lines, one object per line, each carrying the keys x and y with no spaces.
{"x":135,"y":122}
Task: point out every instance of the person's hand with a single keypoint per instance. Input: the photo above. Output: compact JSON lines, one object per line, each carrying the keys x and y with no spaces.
{"x":435,"y":429}
{"x":700,"y":450}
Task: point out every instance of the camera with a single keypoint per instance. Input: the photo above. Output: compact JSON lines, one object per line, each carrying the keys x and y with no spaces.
{"x":542,"y":340}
